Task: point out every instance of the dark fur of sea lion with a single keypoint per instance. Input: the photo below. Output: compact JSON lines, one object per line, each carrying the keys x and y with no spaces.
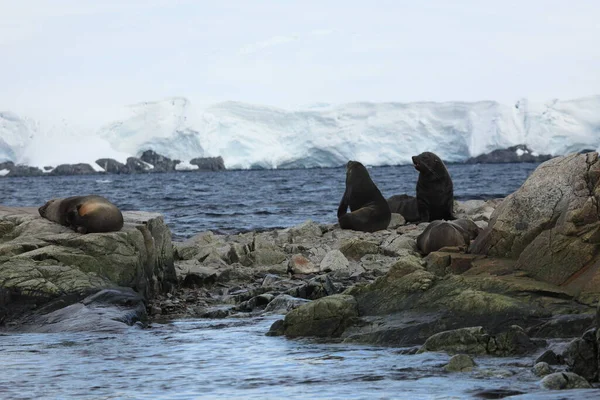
{"x":435,"y":194}
{"x":84,"y":214}
{"x":405,"y":205}
{"x":440,"y":234}
{"x":369,"y":209}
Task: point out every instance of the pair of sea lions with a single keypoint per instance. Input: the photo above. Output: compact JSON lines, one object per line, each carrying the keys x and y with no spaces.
{"x":84,"y":214}
{"x":369,"y":211}
{"x":435,"y":192}
{"x":438,"y":234}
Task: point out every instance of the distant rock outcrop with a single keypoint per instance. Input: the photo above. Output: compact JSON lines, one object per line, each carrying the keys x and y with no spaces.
{"x":209,"y":163}
{"x":73,"y":169}
{"x":514,"y":154}
{"x":160,"y":163}
{"x":112,"y":166}
{"x":19,"y":170}
{"x":137,"y":166}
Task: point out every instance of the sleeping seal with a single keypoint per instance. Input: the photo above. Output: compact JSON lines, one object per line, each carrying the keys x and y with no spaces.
{"x":84,"y":214}
{"x":369,"y":209}
{"x":440,"y":234}
{"x":435,"y":195}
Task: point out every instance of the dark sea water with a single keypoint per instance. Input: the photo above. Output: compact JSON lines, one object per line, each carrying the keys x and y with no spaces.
{"x":232,"y":358}
{"x":235,"y":201}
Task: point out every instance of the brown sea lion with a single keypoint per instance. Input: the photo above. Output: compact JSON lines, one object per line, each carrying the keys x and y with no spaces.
{"x":84,"y":214}
{"x":435,"y":194}
{"x":440,"y":234}
{"x":405,"y":205}
{"x":369,"y":209}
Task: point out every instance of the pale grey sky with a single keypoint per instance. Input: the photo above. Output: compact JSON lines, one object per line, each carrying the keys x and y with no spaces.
{"x":79,"y":57}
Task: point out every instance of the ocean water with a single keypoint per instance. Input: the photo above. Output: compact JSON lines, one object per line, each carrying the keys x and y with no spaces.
{"x":232,"y":358}
{"x":235,"y":201}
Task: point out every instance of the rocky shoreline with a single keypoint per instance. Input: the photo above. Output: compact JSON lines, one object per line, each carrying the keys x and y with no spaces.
{"x":528,"y":285}
{"x":152,"y":162}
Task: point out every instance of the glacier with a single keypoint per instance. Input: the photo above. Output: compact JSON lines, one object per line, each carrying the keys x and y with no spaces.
{"x":256,"y":136}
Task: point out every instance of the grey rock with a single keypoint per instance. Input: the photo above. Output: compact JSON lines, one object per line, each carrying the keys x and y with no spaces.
{"x":564,"y":380}
{"x":542,"y":369}
{"x":460,"y":363}
{"x":334,"y":260}
{"x":209,"y":163}
{"x":284,"y":303}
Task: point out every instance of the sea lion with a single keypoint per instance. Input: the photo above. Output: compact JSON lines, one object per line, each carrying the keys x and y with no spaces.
{"x":435,"y":195}
{"x":369,"y":209}
{"x":405,"y":205}
{"x":440,"y":234}
{"x":84,"y":214}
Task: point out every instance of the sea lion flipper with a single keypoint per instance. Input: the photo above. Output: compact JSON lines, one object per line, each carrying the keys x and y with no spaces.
{"x":343,"y":208}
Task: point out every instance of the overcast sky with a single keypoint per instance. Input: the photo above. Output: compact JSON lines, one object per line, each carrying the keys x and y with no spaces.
{"x":79,"y":57}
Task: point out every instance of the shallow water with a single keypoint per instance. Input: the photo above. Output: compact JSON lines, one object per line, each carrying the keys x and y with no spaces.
{"x":233,"y":359}
{"x":234,"y":201}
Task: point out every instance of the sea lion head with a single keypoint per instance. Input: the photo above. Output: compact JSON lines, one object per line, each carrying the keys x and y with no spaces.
{"x":429,"y":163}
{"x":355,"y":170}
{"x":50,"y":208}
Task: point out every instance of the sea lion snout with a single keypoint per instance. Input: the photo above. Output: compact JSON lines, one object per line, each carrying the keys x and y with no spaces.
{"x":416,"y":164}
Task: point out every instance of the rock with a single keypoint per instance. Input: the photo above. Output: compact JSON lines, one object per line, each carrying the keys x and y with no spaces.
{"x":192,"y":273}
{"x":542,"y":369}
{"x":284,"y":303}
{"x":24,"y":170}
{"x":460,"y":363}
{"x":466,"y":340}
{"x":209,"y":163}
{"x":356,"y":248}
{"x":109,"y":310}
{"x":137,"y":166}
{"x":442,"y":263}
{"x":41,"y":261}
{"x":563,"y":326}
{"x":396,"y":221}
{"x":514,"y":154}
{"x":160,"y":163}
{"x":73,"y":169}
{"x":112,"y":166}
{"x":326,"y":317}
{"x":394,"y":244}
{"x":564,"y":380}
{"x":334,"y":260}
{"x":549,"y":357}
{"x":582,"y":358}
{"x":551,"y":226}
{"x":301,"y":265}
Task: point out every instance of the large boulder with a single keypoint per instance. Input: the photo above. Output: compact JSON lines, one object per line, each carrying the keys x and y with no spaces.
{"x":514,"y":154}
{"x":41,"y":261}
{"x":551,"y":226}
{"x":73,"y":169}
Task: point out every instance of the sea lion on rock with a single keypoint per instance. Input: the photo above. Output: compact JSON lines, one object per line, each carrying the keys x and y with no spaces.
{"x":369,"y":209}
{"x":440,"y":234}
{"x":404,"y":205}
{"x":84,"y":214}
{"x":435,"y":195}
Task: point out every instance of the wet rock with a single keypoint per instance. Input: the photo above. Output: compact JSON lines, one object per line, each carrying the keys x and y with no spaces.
{"x":159,"y":162}
{"x":326,"y":317}
{"x":334,"y":260}
{"x":73,"y":169}
{"x":112,"y":166}
{"x":466,"y":340}
{"x":301,"y":265}
{"x":549,"y":357}
{"x":563,"y":326}
{"x":564,"y":380}
{"x":460,"y":363}
{"x":192,"y":273}
{"x":109,"y":310}
{"x":209,"y":163}
{"x":284,"y":303}
{"x":542,"y":369}
{"x":276,"y":329}
{"x":582,"y":358}
{"x":356,"y":248}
